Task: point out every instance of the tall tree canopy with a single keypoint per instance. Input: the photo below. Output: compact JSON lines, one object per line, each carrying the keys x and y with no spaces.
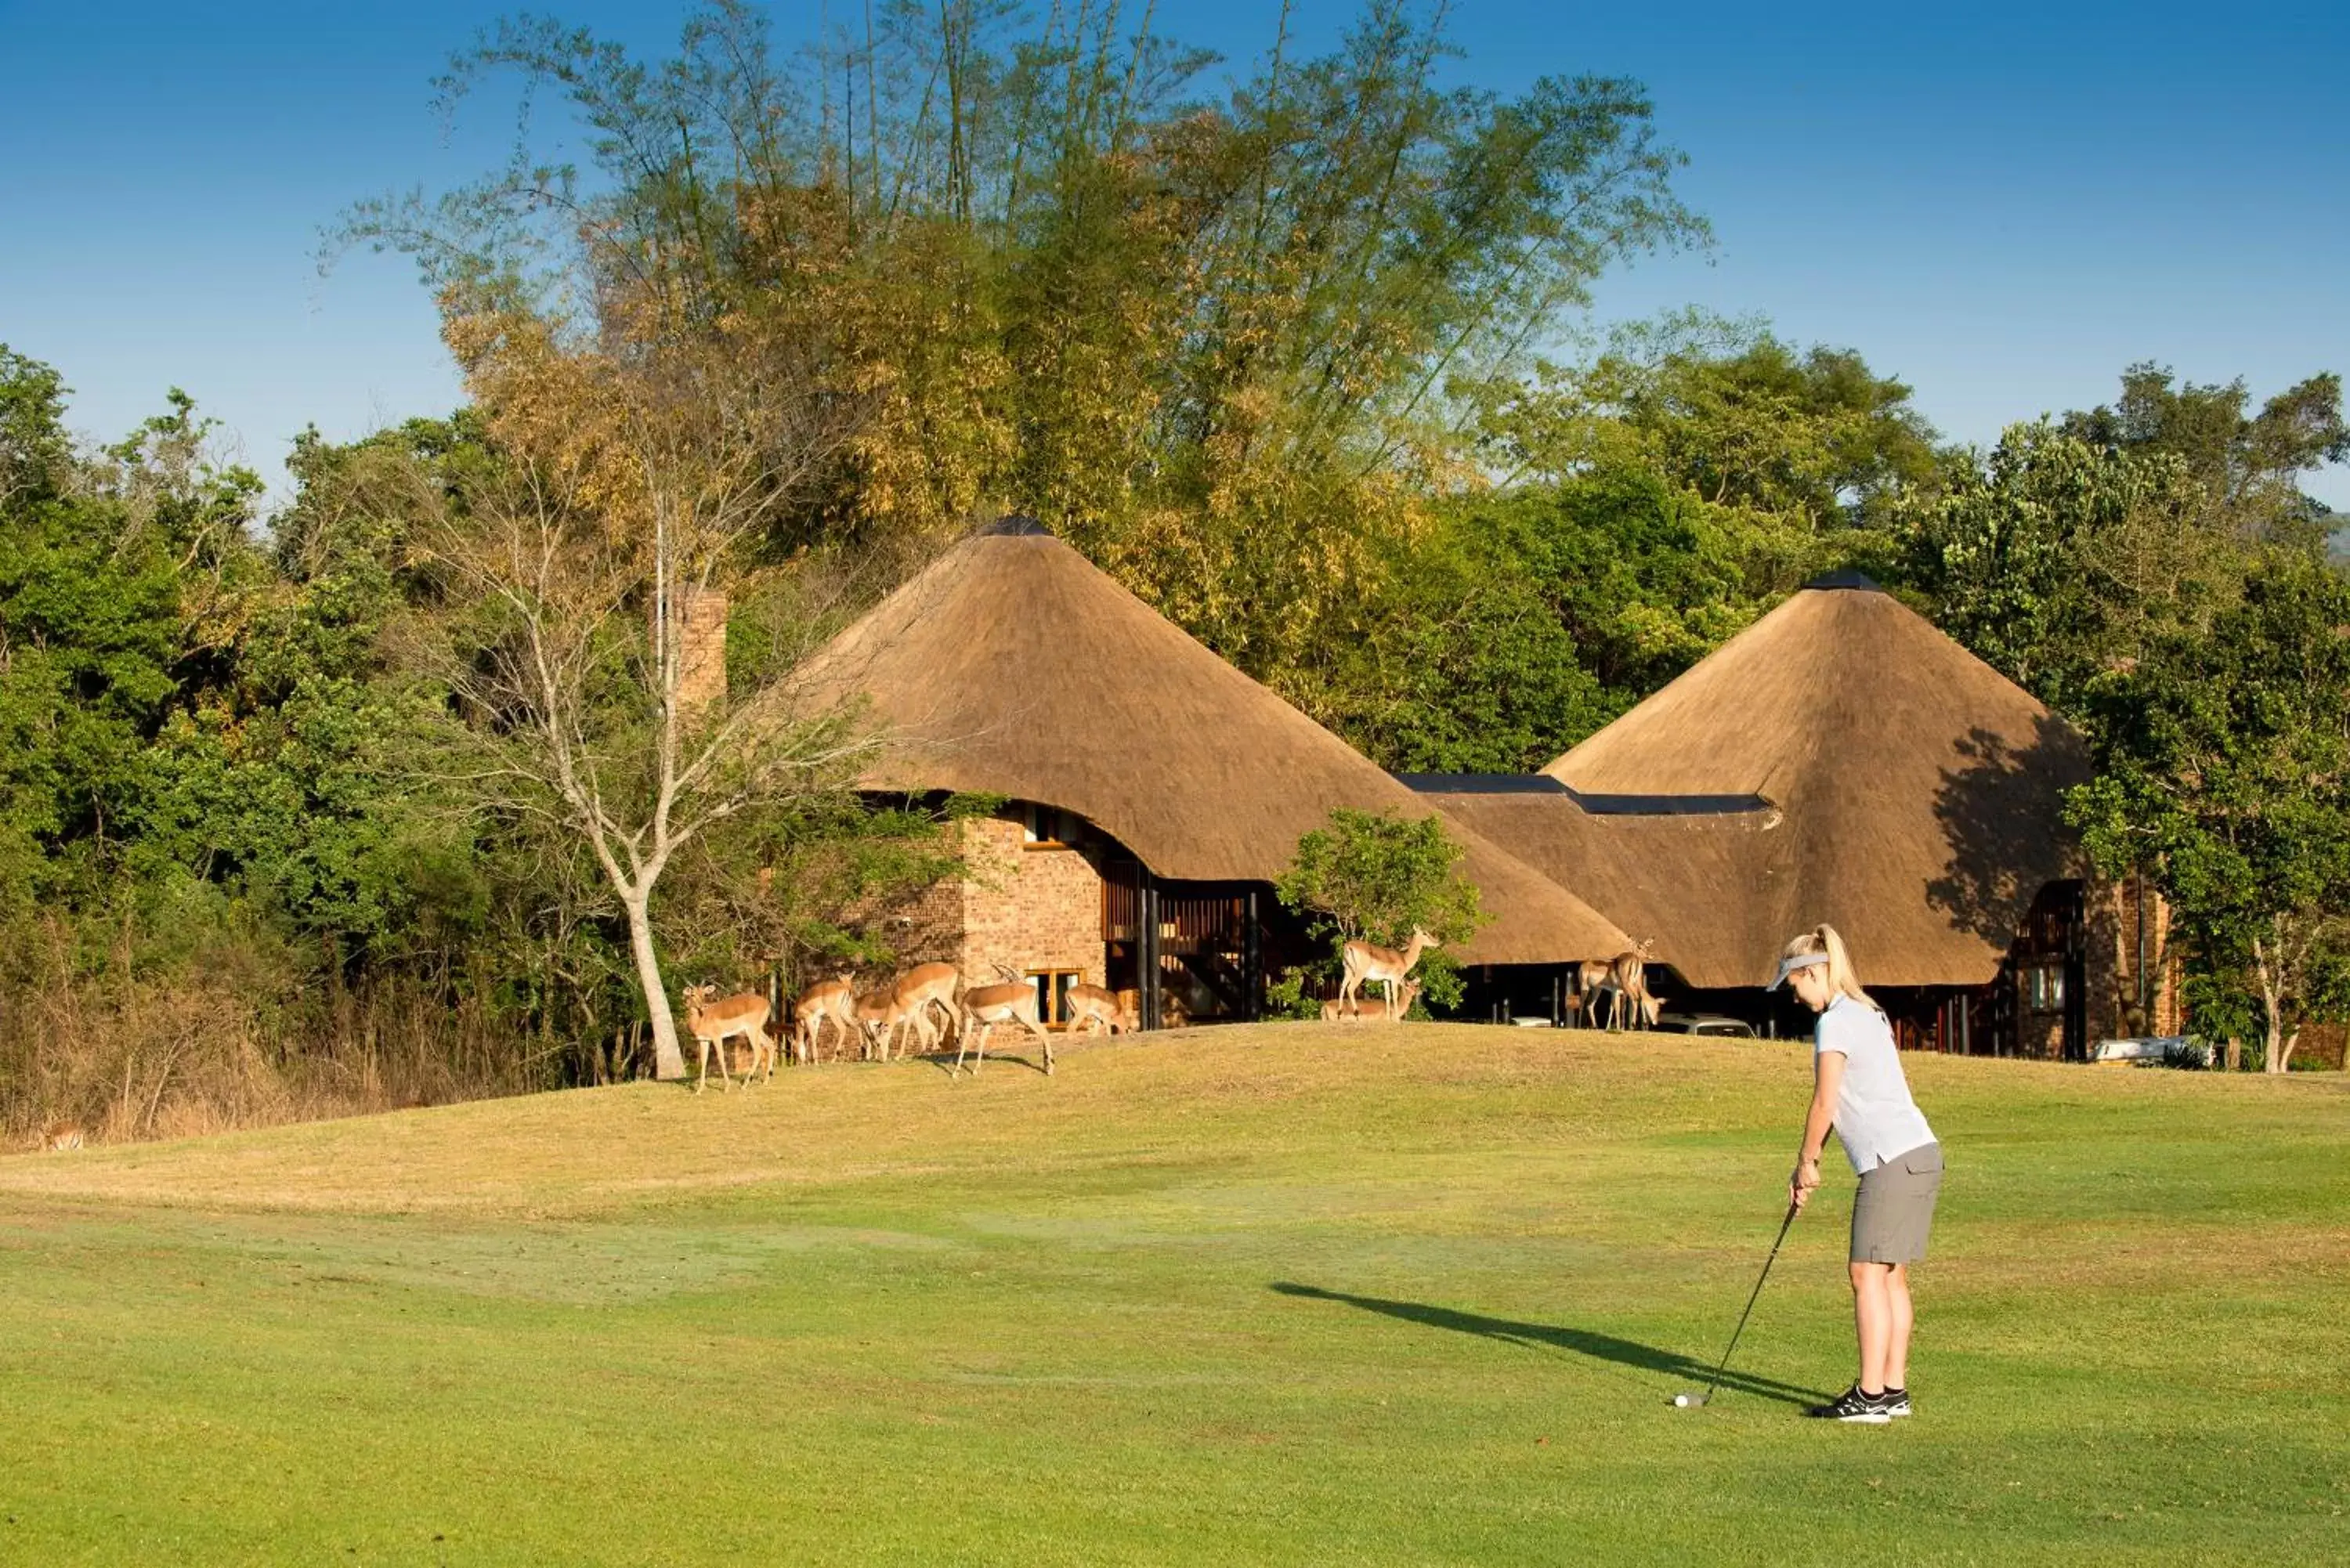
{"x":1226,"y":343}
{"x":2224,"y":770}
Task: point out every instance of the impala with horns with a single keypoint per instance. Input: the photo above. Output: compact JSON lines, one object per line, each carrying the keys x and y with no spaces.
{"x":713,"y":1019}
{"x":1383,"y":967}
{"x":832,"y":1002}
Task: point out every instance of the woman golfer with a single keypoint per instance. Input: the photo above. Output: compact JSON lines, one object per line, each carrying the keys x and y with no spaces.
{"x":1858,"y":1088}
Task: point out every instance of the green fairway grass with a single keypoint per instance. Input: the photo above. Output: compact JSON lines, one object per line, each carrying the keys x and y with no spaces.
{"x":1291,"y":1293}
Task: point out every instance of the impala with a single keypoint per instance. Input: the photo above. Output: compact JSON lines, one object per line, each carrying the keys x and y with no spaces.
{"x":929,"y":986}
{"x":1627,"y":977}
{"x":715,"y":1020}
{"x":879,"y":1017}
{"x":1097,"y":1009}
{"x":985,"y":1006}
{"x":1394,"y":1011}
{"x":1591,"y":982}
{"x":1382,"y":966}
{"x":832,"y":1002}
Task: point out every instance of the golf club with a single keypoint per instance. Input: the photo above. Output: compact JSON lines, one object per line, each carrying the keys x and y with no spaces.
{"x":1690,"y":1401}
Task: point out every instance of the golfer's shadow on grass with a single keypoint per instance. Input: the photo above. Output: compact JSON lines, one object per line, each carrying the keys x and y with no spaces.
{"x":1582,"y":1342}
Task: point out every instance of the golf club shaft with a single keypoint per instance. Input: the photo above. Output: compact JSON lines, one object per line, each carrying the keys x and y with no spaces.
{"x":1715,"y":1381}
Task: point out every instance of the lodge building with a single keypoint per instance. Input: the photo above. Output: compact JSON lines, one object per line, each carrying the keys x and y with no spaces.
{"x":1841,"y":760}
{"x":1153,"y":792}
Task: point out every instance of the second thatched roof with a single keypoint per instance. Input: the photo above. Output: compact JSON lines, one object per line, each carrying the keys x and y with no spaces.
{"x":1839,"y":761}
{"x":1012,"y":666}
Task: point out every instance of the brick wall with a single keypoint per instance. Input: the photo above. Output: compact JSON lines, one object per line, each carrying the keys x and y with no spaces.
{"x":1029,"y":907}
{"x":1026,"y":905}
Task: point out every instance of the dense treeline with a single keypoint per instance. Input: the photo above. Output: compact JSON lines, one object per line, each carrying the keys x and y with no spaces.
{"x":287,"y":821}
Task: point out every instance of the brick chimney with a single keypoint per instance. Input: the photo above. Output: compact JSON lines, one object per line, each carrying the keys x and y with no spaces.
{"x":702,"y":647}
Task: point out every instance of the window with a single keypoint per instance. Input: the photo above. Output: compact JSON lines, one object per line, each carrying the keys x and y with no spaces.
{"x":1047,"y":826}
{"x":2044,"y":988}
{"x":1052,"y":994}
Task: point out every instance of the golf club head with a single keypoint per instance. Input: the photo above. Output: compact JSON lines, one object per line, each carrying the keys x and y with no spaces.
{"x":1691,"y":1400}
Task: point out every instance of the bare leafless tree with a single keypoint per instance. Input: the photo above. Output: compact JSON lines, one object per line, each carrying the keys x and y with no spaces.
{"x":631,"y":488}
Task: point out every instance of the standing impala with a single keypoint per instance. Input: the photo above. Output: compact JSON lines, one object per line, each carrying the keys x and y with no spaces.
{"x":1381,"y":966}
{"x":715,"y":1020}
{"x":985,"y":1006}
{"x":830,"y":1001}
{"x":929,"y":986}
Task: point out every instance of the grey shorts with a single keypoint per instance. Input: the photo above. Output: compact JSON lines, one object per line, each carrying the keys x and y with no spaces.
{"x":1895,"y":1208}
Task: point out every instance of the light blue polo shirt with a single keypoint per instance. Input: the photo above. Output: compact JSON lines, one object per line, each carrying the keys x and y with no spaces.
{"x":1876,"y":1119}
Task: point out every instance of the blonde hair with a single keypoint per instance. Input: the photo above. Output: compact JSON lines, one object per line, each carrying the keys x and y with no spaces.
{"x":1842,"y":976}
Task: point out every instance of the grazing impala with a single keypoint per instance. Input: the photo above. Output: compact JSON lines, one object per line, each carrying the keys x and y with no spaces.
{"x":879,"y":1017}
{"x":715,"y":1020}
{"x":1628,"y":977}
{"x":985,"y":1006}
{"x":832,"y":1002}
{"x":926,"y":987}
{"x":1382,"y":966}
{"x":1097,"y":1009}
{"x":1392,"y":1012}
{"x":61,"y":1136}
{"x":1385,"y":1011}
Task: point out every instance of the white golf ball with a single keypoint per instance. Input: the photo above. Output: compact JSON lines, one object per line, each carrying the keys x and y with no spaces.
{"x":1680,"y":1399}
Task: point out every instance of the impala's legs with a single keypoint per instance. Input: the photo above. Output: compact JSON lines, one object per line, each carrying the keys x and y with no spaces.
{"x":1041,"y":1033}
{"x":708,"y":1045}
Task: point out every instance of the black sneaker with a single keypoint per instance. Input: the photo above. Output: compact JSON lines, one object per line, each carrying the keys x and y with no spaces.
{"x":1895,"y":1403}
{"x":1852,"y":1405}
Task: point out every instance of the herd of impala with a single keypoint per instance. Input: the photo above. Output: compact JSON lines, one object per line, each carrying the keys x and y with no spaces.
{"x":932,"y":1004}
{"x":917,"y":1011}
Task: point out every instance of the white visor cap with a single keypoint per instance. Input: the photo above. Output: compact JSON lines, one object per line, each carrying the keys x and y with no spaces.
{"x":1793,"y":962}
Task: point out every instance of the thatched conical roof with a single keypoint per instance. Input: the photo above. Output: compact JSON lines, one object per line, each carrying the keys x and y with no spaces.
{"x":1014,"y":666}
{"x":1893,"y":784}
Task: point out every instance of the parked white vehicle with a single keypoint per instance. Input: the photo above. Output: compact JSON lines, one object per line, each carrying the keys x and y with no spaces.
{"x":1714,"y":1024}
{"x":2170,"y":1049}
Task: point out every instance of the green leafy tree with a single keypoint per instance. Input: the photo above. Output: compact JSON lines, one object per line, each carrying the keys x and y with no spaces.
{"x":2224,"y":774}
{"x":1798,"y":451}
{"x":1376,"y":878}
{"x":119,"y":571}
{"x":2247,"y":465}
{"x":2055,"y":560}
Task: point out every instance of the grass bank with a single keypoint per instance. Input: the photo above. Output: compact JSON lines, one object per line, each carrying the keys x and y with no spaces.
{"x":1291,"y":1293}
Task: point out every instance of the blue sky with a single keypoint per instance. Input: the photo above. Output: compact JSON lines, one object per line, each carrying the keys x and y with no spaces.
{"x":2002,"y":204}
